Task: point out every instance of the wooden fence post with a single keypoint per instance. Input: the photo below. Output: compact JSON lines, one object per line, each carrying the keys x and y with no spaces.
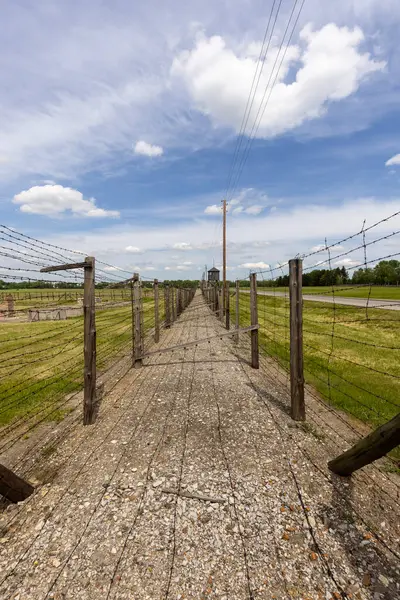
{"x":298,"y":410}
{"x":133,"y":321}
{"x":13,"y":487}
{"x":138,"y":321}
{"x":167,"y":306}
{"x":178,"y":302}
{"x":227,"y":307}
{"x":220,"y":304}
{"x":156,"y":313}
{"x":89,"y":399}
{"x":10,"y":305}
{"x":255,"y":359}
{"x":374,"y":446}
{"x":237,"y":319}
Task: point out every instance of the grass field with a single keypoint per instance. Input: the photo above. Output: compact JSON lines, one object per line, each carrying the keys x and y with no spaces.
{"x":42,"y":362}
{"x":378,"y":292}
{"x":32,"y":298}
{"x":352,"y":362}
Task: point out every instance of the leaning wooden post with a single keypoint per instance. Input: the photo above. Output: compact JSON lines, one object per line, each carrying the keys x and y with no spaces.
{"x":13,"y":487}
{"x":237,"y":320}
{"x":178,"y":304}
{"x":89,"y":398}
{"x":167,"y":306}
{"x":227,"y":307}
{"x":156,"y":312}
{"x":298,"y":410}
{"x":374,"y":446}
{"x":255,"y":359}
{"x":138,"y":322}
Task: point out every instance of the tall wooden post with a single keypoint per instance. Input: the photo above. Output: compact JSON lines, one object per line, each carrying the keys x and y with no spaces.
{"x":178,"y":302}
{"x":156,"y":313}
{"x":167,"y":306}
{"x":138,"y":321}
{"x":227,"y":308}
{"x":224,"y":256}
{"x":255,"y":359}
{"x":237,"y":315}
{"x":89,"y":397}
{"x":298,"y":410}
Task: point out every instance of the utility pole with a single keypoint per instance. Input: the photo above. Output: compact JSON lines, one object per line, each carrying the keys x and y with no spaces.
{"x":224,"y":256}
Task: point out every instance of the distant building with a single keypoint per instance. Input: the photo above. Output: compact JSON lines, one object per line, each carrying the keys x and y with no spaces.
{"x":213,"y":274}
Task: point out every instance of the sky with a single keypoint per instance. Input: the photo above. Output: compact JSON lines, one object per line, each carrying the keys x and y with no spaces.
{"x":124,"y":125}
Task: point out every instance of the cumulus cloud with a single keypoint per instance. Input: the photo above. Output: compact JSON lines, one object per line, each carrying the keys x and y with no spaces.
{"x":146,"y":149}
{"x":183,"y":267}
{"x":254,"y":210}
{"x":182,"y":246}
{"x":330,"y":66}
{"x":395,"y":160}
{"x":213,"y":209}
{"x":347,"y":262}
{"x":54,"y":200}
{"x":254,"y":265}
{"x":133,"y":250}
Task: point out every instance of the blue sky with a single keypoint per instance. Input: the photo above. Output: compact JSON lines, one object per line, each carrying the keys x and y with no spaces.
{"x":120,"y":121}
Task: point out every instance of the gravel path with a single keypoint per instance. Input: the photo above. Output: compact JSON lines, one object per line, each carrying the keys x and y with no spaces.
{"x":328,"y":299}
{"x":193,"y":484}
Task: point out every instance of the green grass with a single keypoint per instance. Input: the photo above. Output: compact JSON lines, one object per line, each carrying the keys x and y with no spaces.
{"x":378,"y":292}
{"x":32,"y":298}
{"x":354,"y":369}
{"x":41,"y":363}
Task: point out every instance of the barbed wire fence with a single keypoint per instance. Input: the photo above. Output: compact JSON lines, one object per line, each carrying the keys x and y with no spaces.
{"x":342,"y":347}
{"x":66,"y":329}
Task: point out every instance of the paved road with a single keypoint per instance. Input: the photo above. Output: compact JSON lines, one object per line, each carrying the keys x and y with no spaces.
{"x":327,"y":298}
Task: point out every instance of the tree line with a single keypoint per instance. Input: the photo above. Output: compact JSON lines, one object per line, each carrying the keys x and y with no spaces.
{"x":386,"y":272}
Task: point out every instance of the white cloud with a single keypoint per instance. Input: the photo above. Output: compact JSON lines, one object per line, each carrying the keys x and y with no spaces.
{"x":187,"y":262}
{"x":182,"y":246}
{"x":146,"y":149}
{"x":254,"y":265}
{"x":178,"y":268}
{"x":395,"y":160}
{"x":254,"y":210}
{"x":213,"y":209}
{"x":330,"y":66}
{"x":347,"y":262}
{"x":54,"y":200}
{"x":238,"y":210}
{"x":133,"y":250}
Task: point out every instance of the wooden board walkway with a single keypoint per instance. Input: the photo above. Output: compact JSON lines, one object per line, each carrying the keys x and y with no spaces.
{"x":194,"y":484}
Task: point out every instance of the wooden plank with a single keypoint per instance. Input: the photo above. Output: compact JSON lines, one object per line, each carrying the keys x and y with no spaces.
{"x":375,"y":445}
{"x":156,"y":312}
{"x":66,"y":267}
{"x":89,"y":325}
{"x":220,"y":304}
{"x":255,"y":358}
{"x":298,"y":410}
{"x":13,"y":487}
{"x":138,"y":321}
{"x":237,"y":308}
{"x":251,"y":328}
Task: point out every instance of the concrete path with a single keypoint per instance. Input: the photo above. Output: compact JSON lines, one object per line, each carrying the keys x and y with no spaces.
{"x":328,"y":299}
{"x":194,"y":483}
